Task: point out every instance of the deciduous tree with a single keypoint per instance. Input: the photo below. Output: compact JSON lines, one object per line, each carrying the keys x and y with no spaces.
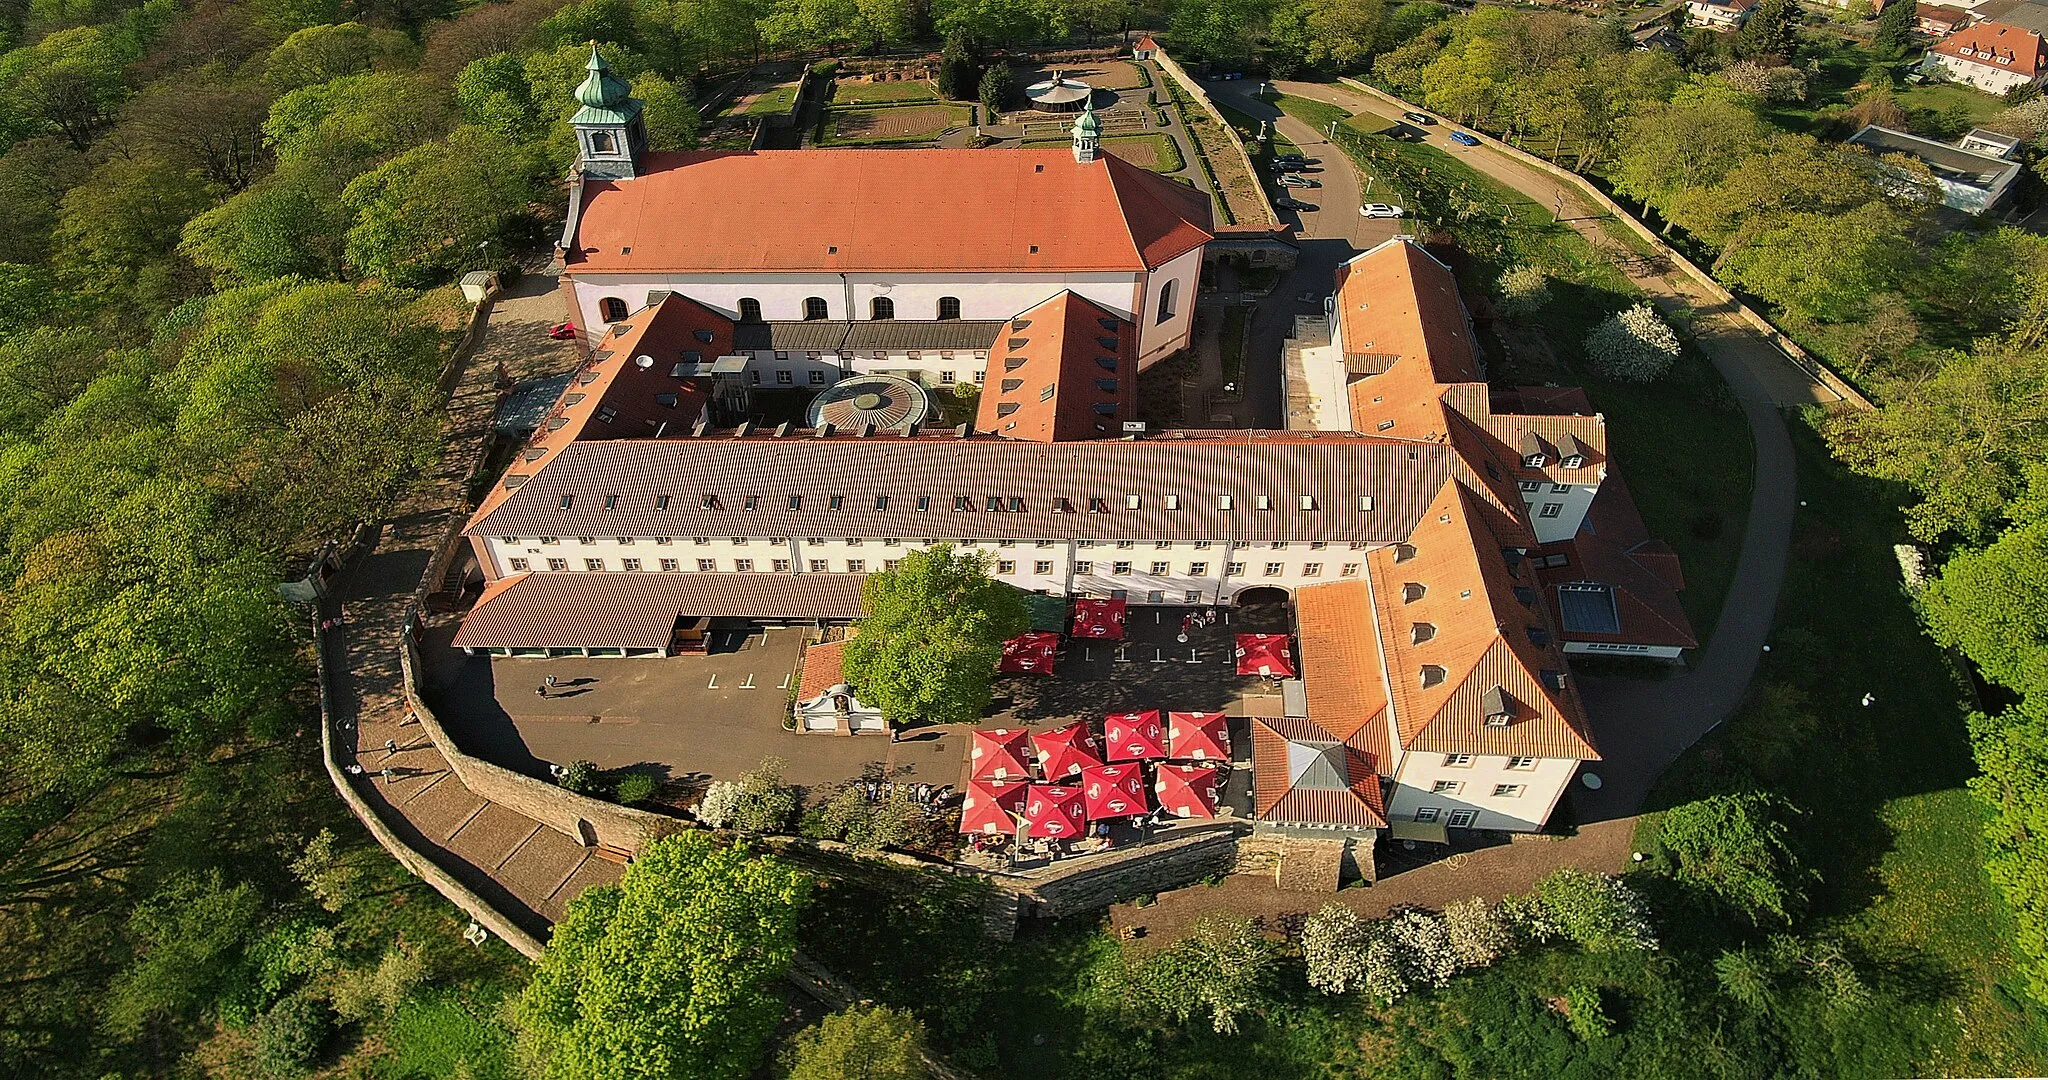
{"x":861,"y":1042}
{"x":931,"y":637}
{"x":670,"y":972}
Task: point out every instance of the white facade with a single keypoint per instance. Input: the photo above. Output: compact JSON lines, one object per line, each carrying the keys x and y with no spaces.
{"x":850,"y":297}
{"x":837,"y":710}
{"x":1716,"y":16}
{"x":1480,"y":791}
{"x":1987,"y":76}
{"x":1557,"y":510}
{"x":1193,"y":572}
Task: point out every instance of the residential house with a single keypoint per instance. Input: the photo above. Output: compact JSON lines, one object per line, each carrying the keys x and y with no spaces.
{"x":1719,"y":14}
{"x":1971,"y":180}
{"x":1991,"y":56}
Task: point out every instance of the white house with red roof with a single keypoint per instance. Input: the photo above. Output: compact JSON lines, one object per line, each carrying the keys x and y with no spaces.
{"x":1719,"y":14}
{"x":1991,"y":56}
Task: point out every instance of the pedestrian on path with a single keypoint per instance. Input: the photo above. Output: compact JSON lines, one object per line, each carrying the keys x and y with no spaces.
{"x":542,"y":689}
{"x":551,"y":682}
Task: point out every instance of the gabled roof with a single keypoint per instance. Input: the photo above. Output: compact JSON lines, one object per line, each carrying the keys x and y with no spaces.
{"x":1303,"y":776}
{"x":901,"y":211}
{"x":1405,"y":338}
{"x":615,"y":396}
{"x":824,"y":668}
{"x":1458,"y":617}
{"x":1061,"y":371}
{"x":1635,"y":578}
{"x":1998,"y":46}
{"x":1340,"y":661}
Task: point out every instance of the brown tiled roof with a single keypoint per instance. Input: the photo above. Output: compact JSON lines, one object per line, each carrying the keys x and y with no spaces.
{"x":613,"y":397}
{"x":1340,"y":661}
{"x":1614,"y":549}
{"x":1335,"y":469}
{"x":1302,"y":776}
{"x":905,"y":211}
{"x":1999,"y":46}
{"x":1059,"y":372}
{"x":639,"y":611}
{"x":824,"y":668}
{"x":1448,"y":605}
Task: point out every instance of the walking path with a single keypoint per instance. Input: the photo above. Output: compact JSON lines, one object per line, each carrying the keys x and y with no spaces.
{"x":527,"y":871}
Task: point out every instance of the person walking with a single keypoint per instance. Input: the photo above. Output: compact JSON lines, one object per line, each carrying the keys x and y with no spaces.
{"x":542,"y":689}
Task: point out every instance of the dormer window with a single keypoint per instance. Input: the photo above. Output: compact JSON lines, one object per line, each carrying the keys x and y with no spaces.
{"x":1098,"y":506}
{"x":881,"y":502}
{"x":1421,"y":632}
{"x":1403,"y":552}
{"x":611,"y":502}
{"x":1222,"y":502}
{"x":1413,"y":591}
{"x":1171,"y":502}
{"x":1574,"y":461}
{"x":1497,"y":707}
{"x":1132,"y":502}
{"x":1062,"y":506}
{"x":1534,"y":461}
{"x":1365,"y":504}
{"x":1432,"y":675}
{"x":1262,"y":502}
{"x":567,"y":502}
{"x":962,"y":504}
{"x":796,"y":502}
{"x":1305,"y":503}
{"x":708,"y":502}
{"x":836,"y":502}
{"x":995,"y":504}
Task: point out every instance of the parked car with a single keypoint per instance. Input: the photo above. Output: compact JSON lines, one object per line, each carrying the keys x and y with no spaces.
{"x":1463,"y":139}
{"x":1299,"y":159}
{"x":1418,"y":118}
{"x":1231,"y":76}
{"x":1285,"y":203}
{"x":1297,"y":180}
{"x":1380,"y":210}
{"x":1288,"y":166}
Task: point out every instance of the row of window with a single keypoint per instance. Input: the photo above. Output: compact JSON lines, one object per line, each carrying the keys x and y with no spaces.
{"x":1004,"y":567}
{"x":1533,"y":486}
{"x":1454,"y":787}
{"x":993,"y":504}
{"x":1461,"y":761}
{"x":613,"y":309}
{"x":1460,"y":819}
{"x":893,"y":541}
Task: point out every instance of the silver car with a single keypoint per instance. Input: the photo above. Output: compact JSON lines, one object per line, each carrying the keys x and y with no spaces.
{"x":1296,"y":180}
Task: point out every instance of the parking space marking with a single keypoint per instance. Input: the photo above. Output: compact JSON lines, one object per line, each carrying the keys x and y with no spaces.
{"x":1123,"y":654}
{"x":785,"y":683}
{"x":1194,"y":657}
{"x":748,"y":682}
{"x":713,"y":684}
{"x":1159,"y":656}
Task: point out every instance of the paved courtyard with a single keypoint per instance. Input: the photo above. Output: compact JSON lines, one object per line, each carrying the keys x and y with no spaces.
{"x":715,"y":714}
{"x":1150,"y":669}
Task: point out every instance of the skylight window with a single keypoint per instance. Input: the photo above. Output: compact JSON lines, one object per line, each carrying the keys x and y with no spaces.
{"x":1223,"y":502}
{"x":611,"y":502}
{"x":796,"y":502}
{"x":568,"y":501}
{"x":708,"y":502}
{"x":1132,"y":502}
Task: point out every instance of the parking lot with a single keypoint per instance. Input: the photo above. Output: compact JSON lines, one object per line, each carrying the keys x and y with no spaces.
{"x":717,"y":713}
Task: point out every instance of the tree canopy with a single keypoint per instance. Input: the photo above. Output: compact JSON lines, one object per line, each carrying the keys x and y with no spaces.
{"x":671,"y":971}
{"x":930,"y":636}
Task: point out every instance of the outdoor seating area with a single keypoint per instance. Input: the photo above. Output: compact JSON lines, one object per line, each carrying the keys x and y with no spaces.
{"x":1070,"y":790}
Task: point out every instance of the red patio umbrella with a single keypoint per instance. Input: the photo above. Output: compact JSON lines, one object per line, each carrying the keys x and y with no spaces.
{"x":1197,"y":736}
{"x":1271,"y":655}
{"x":999,"y":754}
{"x":1031,"y":652}
{"x":1187,"y":791}
{"x":1101,"y":620}
{"x":1066,"y":750}
{"x":1114,"y":790}
{"x":989,"y":806}
{"x":1134,"y":736}
{"x":1054,"y":811}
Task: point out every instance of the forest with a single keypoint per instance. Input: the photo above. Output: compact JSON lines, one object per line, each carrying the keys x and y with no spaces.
{"x":232,"y":232}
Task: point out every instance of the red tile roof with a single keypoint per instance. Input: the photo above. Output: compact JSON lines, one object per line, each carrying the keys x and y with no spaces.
{"x":1996,"y":45}
{"x":1046,"y":381}
{"x":1613,"y":548}
{"x":1340,"y":659}
{"x":1300,"y":775}
{"x":824,"y":668}
{"x":906,"y":211}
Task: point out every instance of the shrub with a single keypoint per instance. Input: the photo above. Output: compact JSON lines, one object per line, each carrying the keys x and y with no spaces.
{"x":637,"y":787}
{"x":1420,"y":940}
{"x":1333,"y":946}
{"x":1384,"y":977}
{"x":1523,"y":291}
{"x":868,"y":1041}
{"x":1633,"y":346}
{"x":756,"y":802}
{"x":864,"y":826}
{"x":1735,"y":848}
{"x":1585,"y":1014}
{"x":364,"y":992}
{"x":1222,"y":967}
{"x":998,"y":86}
{"x":1599,"y":913}
{"x":582,"y":778}
{"x":326,"y":873}
{"x":286,"y":1039}
{"x":1479,"y":932}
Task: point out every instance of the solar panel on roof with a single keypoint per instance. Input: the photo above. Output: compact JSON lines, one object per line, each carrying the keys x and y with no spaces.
{"x":1588,"y":609}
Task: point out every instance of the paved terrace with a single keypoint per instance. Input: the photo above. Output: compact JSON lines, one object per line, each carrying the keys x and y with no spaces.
{"x":524,"y":869}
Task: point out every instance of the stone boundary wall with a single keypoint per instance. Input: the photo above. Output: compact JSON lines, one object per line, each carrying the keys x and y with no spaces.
{"x":1799,"y":357}
{"x":1195,"y":91}
{"x":419,"y":864}
{"x":1170,"y":864}
{"x":590,"y":822}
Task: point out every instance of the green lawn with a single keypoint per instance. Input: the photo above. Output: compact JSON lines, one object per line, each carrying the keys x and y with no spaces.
{"x":1156,"y":150}
{"x":772,"y":101}
{"x":867,"y":93}
{"x":892,"y":124}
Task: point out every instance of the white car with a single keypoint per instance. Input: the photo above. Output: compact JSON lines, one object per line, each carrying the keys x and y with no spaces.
{"x":1380,"y":210}
{"x":1297,"y":180}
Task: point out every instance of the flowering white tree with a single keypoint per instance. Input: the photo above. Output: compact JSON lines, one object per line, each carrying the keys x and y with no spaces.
{"x":1600,"y":913}
{"x":1633,"y":346}
{"x":1333,"y":947}
{"x":1424,"y":946}
{"x":1523,"y":290}
{"x":1479,"y":932}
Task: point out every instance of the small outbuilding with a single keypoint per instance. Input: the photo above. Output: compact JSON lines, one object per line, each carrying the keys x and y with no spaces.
{"x":825,"y":704}
{"x":1145,"y":48}
{"x":1060,"y":94}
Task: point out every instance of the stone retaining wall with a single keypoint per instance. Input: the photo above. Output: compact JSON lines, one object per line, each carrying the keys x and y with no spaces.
{"x":1799,"y":357}
{"x":1158,"y":867}
{"x":590,"y":822}
{"x":1194,"y":90}
{"x":422,"y":867}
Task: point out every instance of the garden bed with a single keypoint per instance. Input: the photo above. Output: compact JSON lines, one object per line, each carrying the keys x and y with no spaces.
{"x":883,"y":125}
